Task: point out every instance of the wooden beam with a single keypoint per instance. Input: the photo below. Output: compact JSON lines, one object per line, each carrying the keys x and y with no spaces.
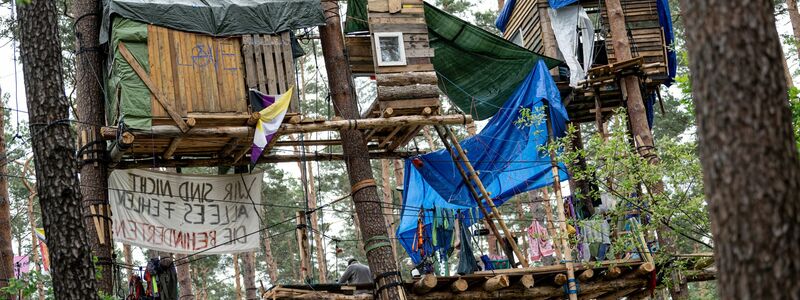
{"x":458,"y":286}
{"x":612,"y":272}
{"x":496,"y":283}
{"x":110,"y":133}
{"x":229,"y":147}
{"x":586,"y":275}
{"x":645,"y":269}
{"x":538,"y":292}
{"x":485,"y":194}
{"x":227,"y":161}
{"x":562,"y":218}
{"x":425,"y":284}
{"x":160,"y":96}
{"x":173,"y":145}
{"x":526,"y":281}
{"x":560,"y":279}
{"x":406,"y":78}
{"x":477,"y":198}
{"x":120,"y":147}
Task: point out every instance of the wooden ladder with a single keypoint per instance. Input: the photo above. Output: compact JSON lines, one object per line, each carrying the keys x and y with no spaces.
{"x":470,"y":176}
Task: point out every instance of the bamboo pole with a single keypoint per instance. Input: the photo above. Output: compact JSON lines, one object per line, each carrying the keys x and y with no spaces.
{"x":561,"y":215}
{"x":485,"y":195}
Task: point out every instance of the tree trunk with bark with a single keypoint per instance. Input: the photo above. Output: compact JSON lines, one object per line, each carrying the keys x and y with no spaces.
{"x":794,"y":18}
{"x":272,"y":266}
{"x":307,"y":178}
{"x":90,"y":111}
{"x":6,"y":246}
{"x":54,"y":152}
{"x":747,"y":149}
{"x":388,"y":203}
{"x":365,"y":194}
{"x":249,"y":266}
{"x":186,"y":291}
{"x":237,"y":277}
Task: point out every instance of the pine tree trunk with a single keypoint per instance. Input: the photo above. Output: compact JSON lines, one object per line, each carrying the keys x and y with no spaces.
{"x":184,"y":278}
{"x":322,"y":264}
{"x":90,"y":110}
{"x":54,"y":152}
{"x":367,"y":202}
{"x":747,"y":149}
{"x":272,"y":267}
{"x":794,"y":18}
{"x":388,"y":203}
{"x":6,"y":246}
{"x":249,"y":266}
{"x":237,"y":275}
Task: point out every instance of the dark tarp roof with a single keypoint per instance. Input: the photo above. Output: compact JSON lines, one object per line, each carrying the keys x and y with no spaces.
{"x":217,"y":17}
{"x":477,"y":70}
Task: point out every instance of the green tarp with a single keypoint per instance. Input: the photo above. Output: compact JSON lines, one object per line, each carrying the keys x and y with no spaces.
{"x":477,"y":69}
{"x":133,"y":97}
{"x":217,"y":17}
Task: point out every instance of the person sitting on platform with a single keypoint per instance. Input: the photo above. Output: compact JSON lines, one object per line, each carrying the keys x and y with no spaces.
{"x":356,"y":273}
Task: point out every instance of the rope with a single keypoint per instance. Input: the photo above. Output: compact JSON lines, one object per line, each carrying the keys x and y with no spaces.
{"x":376,"y":242}
{"x":362,"y":185}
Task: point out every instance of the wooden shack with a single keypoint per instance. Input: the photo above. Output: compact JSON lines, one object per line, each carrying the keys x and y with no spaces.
{"x":530,"y":26}
{"x":397,"y":53}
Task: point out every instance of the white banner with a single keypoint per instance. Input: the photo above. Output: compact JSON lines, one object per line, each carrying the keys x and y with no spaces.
{"x":186,"y":214}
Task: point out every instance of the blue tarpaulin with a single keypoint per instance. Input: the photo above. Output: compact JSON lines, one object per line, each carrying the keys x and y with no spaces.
{"x":556,"y":4}
{"x":505,"y":15}
{"x":507,"y":156}
{"x":665,"y":19}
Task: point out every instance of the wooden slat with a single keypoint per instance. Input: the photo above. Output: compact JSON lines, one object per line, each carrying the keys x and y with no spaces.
{"x":146,"y":79}
{"x":260,"y":68}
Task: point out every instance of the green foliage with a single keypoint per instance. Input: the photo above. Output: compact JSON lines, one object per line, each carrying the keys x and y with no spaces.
{"x":25,"y":286}
{"x":794,"y":104}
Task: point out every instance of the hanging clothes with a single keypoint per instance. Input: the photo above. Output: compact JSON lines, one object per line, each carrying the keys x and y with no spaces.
{"x":168,"y":279}
{"x":135,"y":288}
{"x":466,"y":259}
{"x":539,"y":241}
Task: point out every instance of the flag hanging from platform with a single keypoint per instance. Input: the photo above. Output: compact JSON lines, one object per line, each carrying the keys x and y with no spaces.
{"x":272,"y":110}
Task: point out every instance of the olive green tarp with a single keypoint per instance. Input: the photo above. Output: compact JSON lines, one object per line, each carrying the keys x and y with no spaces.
{"x":131,"y":104}
{"x":477,"y":70}
{"x":217,"y":17}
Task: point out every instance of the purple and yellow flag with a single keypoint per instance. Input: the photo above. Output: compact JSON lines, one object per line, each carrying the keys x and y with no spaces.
{"x":272,"y":110}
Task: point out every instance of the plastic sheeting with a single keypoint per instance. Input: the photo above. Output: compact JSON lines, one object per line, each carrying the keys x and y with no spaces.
{"x":477,"y":70}
{"x":356,"y":16}
{"x":507,"y":156}
{"x":565,"y":21}
{"x":133,"y":97}
{"x":556,"y":4}
{"x":505,"y":15}
{"x":217,"y":17}
{"x":665,"y":19}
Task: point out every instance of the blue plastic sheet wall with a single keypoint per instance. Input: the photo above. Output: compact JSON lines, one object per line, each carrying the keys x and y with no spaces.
{"x":509,"y":158}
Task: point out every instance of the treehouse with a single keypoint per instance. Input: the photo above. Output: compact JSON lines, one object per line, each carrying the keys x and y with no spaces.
{"x":392,"y":46}
{"x":545,"y":27}
{"x":180,"y":74}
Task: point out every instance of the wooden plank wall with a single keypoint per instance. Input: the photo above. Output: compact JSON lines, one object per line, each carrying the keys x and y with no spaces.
{"x":359,"y":52}
{"x":527,"y":16}
{"x":198,"y":73}
{"x":269,"y":64}
{"x":410,"y":20}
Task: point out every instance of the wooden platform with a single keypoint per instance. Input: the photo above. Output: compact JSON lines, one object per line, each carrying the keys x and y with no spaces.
{"x":216,"y":141}
{"x":599,"y":280}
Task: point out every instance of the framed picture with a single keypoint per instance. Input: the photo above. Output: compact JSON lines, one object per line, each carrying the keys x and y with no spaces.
{"x":390,"y":49}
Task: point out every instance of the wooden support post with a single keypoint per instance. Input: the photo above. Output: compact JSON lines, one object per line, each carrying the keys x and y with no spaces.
{"x":526,"y":281}
{"x":485,"y":194}
{"x":123,"y":145}
{"x":562,"y":218}
{"x":459,"y":286}
{"x":486,"y":213}
{"x":496,"y":283}
{"x":560,"y":279}
{"x":586,"y":275}
{"x":302,"y":242}
{"x":645,"y":269}
{"x":612,"y":272}
{"x":425,"y":284}
{"x":173,"y":145}
{"x":160,"y":96}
